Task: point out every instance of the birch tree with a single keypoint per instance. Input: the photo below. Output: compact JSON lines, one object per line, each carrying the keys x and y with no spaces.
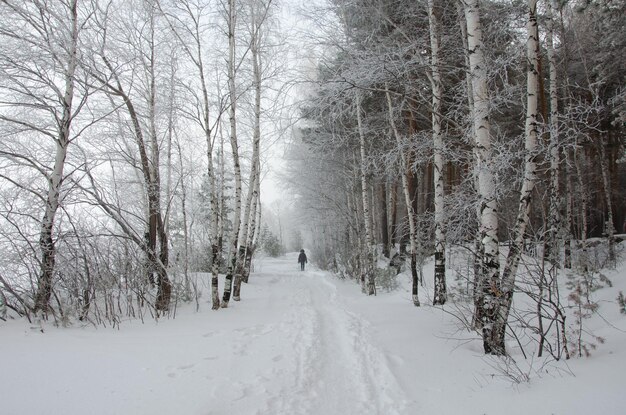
{"x":529,"y":180}
{"x":141,"y":110}
{"x":437,"y":92}
{"x":40,"y":81}
{"x":554,"y":220}
{"x":187,"y":20}
{"x":258,"y":15}
{"x":367,"y":272}
{"x":487,"y":306}
{"x":258,"y":21}
{"x":234,"y":144}
{"x":408,"y":201}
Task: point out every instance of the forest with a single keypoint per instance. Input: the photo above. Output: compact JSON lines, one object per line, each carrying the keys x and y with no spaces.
{"x":487,"y":136}
{"x":469,"y":129}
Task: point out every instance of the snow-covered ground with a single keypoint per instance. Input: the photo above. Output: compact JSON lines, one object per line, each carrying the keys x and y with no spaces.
{"x":300,"y":343}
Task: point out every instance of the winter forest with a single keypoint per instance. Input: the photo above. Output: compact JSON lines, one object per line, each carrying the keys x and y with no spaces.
{"x":455,"y":170}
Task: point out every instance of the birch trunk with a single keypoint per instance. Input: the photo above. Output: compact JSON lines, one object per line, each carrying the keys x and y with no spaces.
{"x":606,"y":182}
{"x":215,"y":238}
{"x":477,"y":319}
{"x":551,"y":250}
{"x":252,"y":233}
{"x":437,"y":91}
{"x":249,"y":216}
{"x":567,"y":249}
{"x":490,"y":265}
{"x":393,"y":216}
{"x":194,"y":52}
{"x":408,"y":201}
{"x":55,"y":179}
{"x":384,"y":220}
{"x":170,"y":134}
{"x":156,"y":259}
{"x":183,"y":208}
{"x":368,"y":266}
{"x":214,"y":212}
{"x":157,"y":229}
{"x":232,"y":92}
{"x":220,"y":200}
{"x":584,"y":207}
{"x":528,"y":184}
{"x":255,"y":224}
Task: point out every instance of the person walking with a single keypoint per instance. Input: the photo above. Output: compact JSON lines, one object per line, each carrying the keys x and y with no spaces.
{"x":302,"y":259}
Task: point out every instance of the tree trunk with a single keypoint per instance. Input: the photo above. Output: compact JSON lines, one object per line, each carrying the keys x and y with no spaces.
{"x":216,"y":239}
{"x":196,"y":56}
{"x":606,"y":182}
{"x":234,"y":240}
{"x":157,"y":230}
{"x":584,"y":207}
{"x":437,"y":91}
{"x":164,"y":292}
{"x":46,"y":241}
{"x":55,"y":179}
{"x":567,"y":251}
{"x":183,"y":208}
{"x":551,"y":250}
{"x":384,"y":220}
{"x":157,"y":260}
{"x":255,"y":164}
{"x":214,"y":200}
{"x":255,"y":229}
{"x":393,"y":228}
{"x":490,"y":265}
{"x":528,"y":184}
{"x":368,"y":266}
{"x":478,"y":289}
{"x":408,"y":201}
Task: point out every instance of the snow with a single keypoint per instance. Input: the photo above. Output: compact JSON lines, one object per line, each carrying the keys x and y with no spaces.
{"x":302,"y":343}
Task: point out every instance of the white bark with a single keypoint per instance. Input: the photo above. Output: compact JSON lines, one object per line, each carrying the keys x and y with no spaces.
{"x":156,"y":245}
{"x":437,"y":94}
{"x":584,"y":208}
{"x":567,"y":249}
{"x":232,"y":115}
{"x":490,"y":271}
{"x":530,"y":167}
{"x":157,"y":229}
{"x":478,"y":247}
{"x":195,"y":53}
{"x":183,"y":208}
{"x":606,"y":182}
{"x":249,"y":213}
{"x":554,"y":219}
{"x":368,"y":267}
{"x":55,"y":178}
{"x":407,"y":193}
{"x":530,"y":147}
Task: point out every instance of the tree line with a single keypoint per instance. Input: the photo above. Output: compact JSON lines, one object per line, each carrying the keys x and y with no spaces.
{"x":482,"y":127}
{"x":130,"y":155}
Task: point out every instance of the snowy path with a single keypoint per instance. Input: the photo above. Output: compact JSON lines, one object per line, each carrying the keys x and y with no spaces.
{"x":300,"y":343}
{"x":337,"y":370}
{"x":289,"y":347}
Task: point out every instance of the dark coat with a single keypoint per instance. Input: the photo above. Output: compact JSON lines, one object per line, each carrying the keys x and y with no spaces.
{"x":302,"y":258}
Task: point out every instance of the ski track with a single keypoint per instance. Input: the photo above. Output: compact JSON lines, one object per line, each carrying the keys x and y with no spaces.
{"x":335,"y":368}
{"x":291,"y":347}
